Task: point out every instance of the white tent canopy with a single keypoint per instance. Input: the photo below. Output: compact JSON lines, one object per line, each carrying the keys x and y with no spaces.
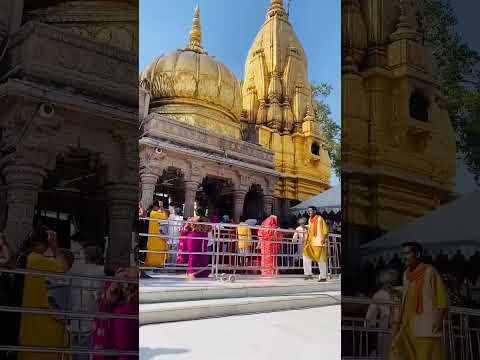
{"x":329,"y":200}
{"x":452,"y":225}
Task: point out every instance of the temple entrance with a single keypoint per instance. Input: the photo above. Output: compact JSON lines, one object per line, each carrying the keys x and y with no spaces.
{"x":216,"y":195}
{"x":253,"y":208}
{"x":71,"y":203}
{"x":170,"y":188}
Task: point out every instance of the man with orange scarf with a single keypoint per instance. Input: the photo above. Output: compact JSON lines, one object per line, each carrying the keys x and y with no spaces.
{"x":423,"y":308}
{"x":316,"y":245}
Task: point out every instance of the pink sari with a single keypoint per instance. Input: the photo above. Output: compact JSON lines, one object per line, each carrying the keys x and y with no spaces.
{"x":115,"y":334}
{"x":125,"y":330}
{"x":102,"y":336}
{"x":268,"y":248}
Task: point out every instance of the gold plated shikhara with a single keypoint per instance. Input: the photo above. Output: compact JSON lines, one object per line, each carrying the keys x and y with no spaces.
{"x":275,"y":97}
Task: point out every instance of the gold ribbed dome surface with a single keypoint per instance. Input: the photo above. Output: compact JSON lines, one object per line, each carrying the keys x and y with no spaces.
{"x":192,"y":75}
{"x":276,"y":72}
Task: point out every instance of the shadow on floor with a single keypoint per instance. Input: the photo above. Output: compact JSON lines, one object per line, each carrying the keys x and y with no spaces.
{"x":149,"y":353}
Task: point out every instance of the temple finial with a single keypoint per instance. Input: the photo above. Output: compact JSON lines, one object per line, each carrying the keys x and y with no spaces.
{"x":276,"y":8}
{"x":195,"y":36}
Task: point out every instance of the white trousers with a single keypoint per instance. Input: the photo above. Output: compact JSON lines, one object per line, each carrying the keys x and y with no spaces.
{"x":307,"y":267}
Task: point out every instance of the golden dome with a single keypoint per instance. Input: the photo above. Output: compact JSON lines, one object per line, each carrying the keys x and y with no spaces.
{"x":190,"y":76}
{"x":276,"y":73}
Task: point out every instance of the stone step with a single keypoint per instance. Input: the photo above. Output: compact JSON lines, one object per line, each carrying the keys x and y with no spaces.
{"x":154,"y":291}
{"x":201,"y":309}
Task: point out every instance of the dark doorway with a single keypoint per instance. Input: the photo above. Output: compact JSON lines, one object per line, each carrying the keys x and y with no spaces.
{"x":253,"y":206}
{"x":170,"y":188}
{"x":216,"y":195}
{"x":70,"y":202}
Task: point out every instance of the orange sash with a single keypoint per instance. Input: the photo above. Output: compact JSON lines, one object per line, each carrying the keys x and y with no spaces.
{"x":418,"y":276}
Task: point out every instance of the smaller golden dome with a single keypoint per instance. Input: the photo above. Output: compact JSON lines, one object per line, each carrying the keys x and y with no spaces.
{"x":191,"y":75}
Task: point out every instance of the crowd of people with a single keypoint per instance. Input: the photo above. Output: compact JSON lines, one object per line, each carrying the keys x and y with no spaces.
{"x":413,"y":311}
{"x":460,"y":273}
{"x":25,"y":290}
{"x":171,"y":240}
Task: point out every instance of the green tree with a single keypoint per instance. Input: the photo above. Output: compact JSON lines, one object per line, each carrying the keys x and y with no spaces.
{"x":457,"y":70}
{"x":330,"y":129}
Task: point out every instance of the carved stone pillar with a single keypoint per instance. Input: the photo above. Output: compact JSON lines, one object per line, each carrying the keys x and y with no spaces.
{"x":148,"y":183}
{"x":267,"y":203}
{"x":23,"y":183}
{"x":191,"y":188}
{"x":122,"y":202}
{"x":238,"y":199}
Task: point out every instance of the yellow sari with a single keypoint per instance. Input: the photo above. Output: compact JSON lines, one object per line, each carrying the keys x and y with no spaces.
{"x":40,"y":330}
{"x":244,"y":235}
{"x":156,"y":243}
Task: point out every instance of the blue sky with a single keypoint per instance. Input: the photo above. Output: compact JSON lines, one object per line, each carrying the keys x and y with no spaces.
{"x":229,"y":28}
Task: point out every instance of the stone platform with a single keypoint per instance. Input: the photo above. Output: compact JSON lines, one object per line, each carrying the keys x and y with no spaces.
{"x":170,"y":298}
{"x":167,"y":288}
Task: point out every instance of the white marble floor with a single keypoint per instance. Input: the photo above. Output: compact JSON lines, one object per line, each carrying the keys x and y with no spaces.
{"x":297,"y":334}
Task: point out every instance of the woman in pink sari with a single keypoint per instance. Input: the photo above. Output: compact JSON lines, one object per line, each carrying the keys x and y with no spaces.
{"x":117,"y":334}
{"x":269,"y":246}
{"x":197,"y":243}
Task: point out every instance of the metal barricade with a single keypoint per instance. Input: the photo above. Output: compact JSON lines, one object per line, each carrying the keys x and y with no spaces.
{"x":463,"y":338}
{"x":229,"y":253}
{"x":78,"y":313}
{"x":370,"y":341}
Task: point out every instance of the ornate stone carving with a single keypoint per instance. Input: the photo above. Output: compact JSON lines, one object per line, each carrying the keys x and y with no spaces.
{"x":150,"y":159}
{"x":104,"y":70}
{"x":95,"y":19}
{"x":172,"y":131}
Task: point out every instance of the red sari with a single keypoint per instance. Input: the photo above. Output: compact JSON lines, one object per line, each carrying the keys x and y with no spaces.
{"x":269,"y":246}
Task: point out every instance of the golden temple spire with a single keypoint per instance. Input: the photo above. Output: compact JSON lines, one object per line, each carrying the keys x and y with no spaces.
{"x":276,"y":8}
{"x":195,"y":36}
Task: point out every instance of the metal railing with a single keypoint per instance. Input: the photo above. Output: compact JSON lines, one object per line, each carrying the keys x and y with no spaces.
{"x":78,"y":316}
{"x":367,"y":340}
{"x":229,"y":253}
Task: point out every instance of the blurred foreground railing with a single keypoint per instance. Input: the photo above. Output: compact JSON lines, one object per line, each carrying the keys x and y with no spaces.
{"x":231,"y":253}
{"x":367,"y":340}
{"x":81,"y":295}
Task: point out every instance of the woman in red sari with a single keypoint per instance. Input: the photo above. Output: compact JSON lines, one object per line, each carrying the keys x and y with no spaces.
{"x":269,"y":246}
